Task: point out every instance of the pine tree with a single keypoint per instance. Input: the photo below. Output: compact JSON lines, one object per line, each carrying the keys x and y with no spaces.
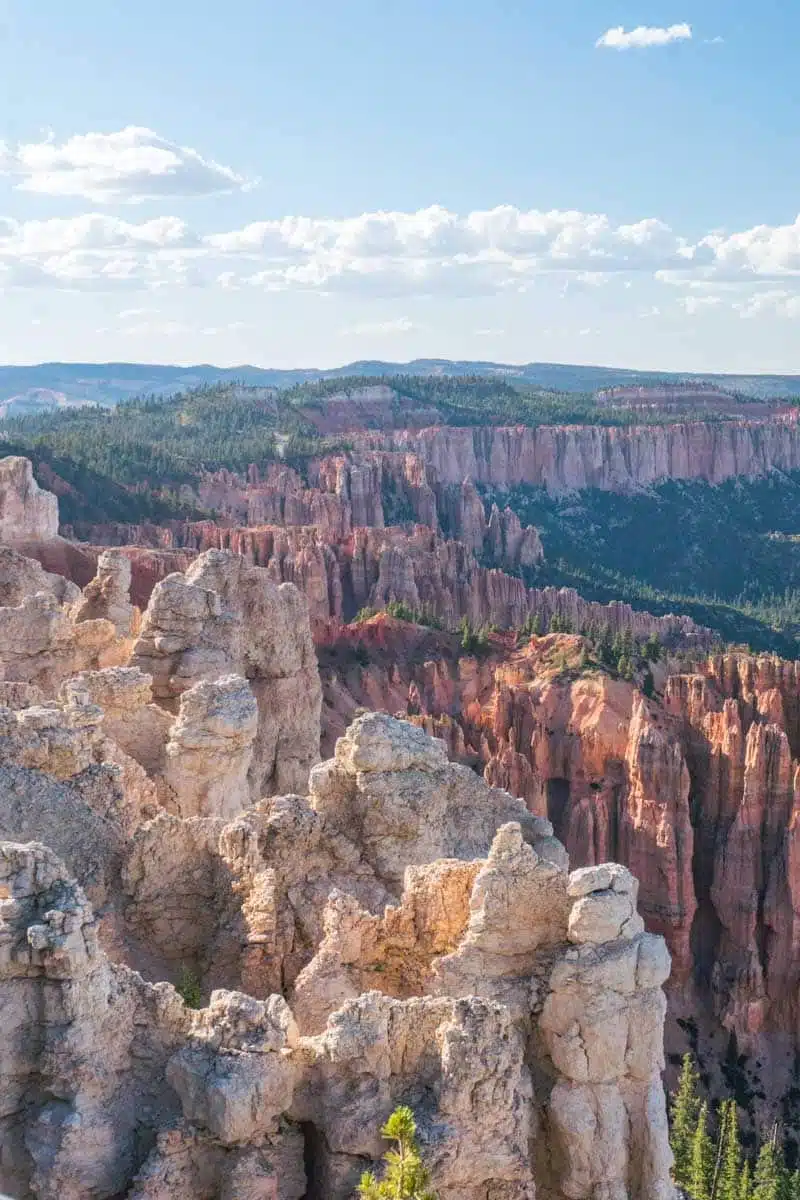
{"x":769,"y":1178}
{"x":405,"y":1176}
{"x":730,"y":1155}
{"x":745,"y":1191}
{"x":703,"y":1159}
{"x":684,"y":1111}
{"x":793,"y":1188}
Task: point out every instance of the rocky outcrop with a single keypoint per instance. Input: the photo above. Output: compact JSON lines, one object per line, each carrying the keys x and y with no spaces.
{"x":107,"y":596}
{"x":516,"y":1007}
{"x":226,"y":617}
{"x":26,"y":512}
{"x":21,"y":577}
{"x":40,"y":644}
{"x":109,"y":1058}
{"x":210,"y":749}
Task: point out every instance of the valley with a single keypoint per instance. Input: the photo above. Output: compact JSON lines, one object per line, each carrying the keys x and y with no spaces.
{"x":235,"y":598}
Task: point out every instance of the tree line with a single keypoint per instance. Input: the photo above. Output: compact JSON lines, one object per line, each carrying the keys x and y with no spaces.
{"x":710,"y":1163}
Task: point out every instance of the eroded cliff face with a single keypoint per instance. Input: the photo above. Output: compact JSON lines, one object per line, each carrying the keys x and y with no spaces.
{"x":695,"y":790}
{"x":405,"y":932}
{"x":565,"y":458}
{"x":371,"y":567}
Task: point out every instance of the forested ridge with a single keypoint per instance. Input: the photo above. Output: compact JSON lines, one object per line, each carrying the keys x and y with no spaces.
{"x":726,"y":555}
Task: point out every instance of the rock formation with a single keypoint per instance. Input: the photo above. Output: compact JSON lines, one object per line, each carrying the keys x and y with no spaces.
{"x":695,"y":790}
{"x":614,"y":458}
{"x":108,"y":594}
{"x":226,"y":617}
{"x":210,"y":749}
{"x":423,"y":570}
{"x":26,"y":512}
{"x":529,"y":1048}
{"x":353,"y":950}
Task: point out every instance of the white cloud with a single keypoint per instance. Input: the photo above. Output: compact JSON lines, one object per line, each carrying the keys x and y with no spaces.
{"x":380,"y":328}
{"x":91,"y":232}
{"x":489,"y":333}
{"x":130,"y":165}
{"x":393,"y":255}
{"x":643,"y":36}
{"x":775,"y":302}
{"x":434,"y":250}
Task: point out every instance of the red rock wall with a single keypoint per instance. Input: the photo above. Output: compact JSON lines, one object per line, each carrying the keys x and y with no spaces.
{"x":696,"y":790}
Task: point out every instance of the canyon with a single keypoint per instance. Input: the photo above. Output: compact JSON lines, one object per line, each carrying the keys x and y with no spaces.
{"x":696,"y":789}
{"x":381,"y":927}
{"x":169,"y":691}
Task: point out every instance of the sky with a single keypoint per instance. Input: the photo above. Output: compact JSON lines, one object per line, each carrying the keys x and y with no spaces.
{"x":310,"y":183}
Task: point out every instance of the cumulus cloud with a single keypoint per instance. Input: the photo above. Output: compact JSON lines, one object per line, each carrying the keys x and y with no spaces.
{"x":128,"y":166}
{"x":393,"y":255}
{"x":643,"y":36}
{"x":434,"y":250}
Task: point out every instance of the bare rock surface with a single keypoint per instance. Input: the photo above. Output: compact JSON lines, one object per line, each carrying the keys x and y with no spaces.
{"x":107,"y":596}
{"x":210,"y":748}
{"x":226,"y":617}
{"x":27,"y":513}
{"x":344,"y":986}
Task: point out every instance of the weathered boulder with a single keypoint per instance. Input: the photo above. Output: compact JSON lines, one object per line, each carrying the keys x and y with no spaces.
{"x":21,"y":576}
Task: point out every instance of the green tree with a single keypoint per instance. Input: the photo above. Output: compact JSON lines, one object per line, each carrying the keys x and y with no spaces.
{"x":684,"y":1111}
{"x":701,"y":1174}
{"x":745,"y":1191}
{"x":729,"y":1158}
{"x":405,"y":1175}
{"x":770,"y":1177}
{"x":652,"y":648}
{"x":188,"y":988}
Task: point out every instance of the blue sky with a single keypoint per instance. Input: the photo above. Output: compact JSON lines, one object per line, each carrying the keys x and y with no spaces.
{"x":309,"y":183}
